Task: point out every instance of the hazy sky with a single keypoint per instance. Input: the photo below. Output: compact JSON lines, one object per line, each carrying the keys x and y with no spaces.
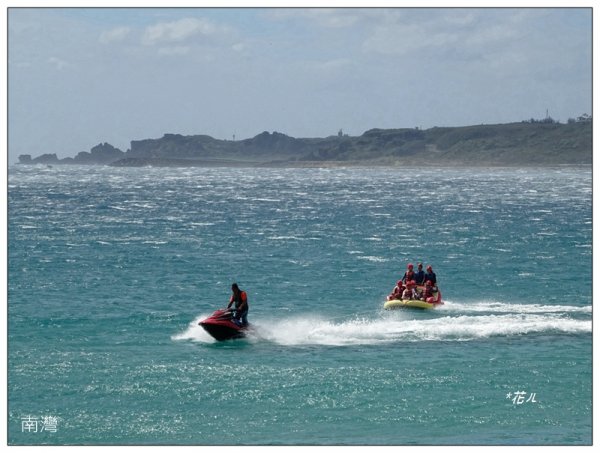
{"x":78,"y":77}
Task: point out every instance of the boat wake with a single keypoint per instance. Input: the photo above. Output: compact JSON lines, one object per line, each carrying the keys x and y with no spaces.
{"x":500,"y":307}
{"x":452,"y":322}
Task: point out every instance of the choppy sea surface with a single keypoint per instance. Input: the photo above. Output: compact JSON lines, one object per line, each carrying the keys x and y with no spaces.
{"x":110,"y":270}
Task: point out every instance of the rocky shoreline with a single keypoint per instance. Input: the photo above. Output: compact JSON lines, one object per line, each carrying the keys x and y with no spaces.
{"x":513,"y":144}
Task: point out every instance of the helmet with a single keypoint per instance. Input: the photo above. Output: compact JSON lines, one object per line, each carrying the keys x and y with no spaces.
{"x":429,"y":268}
{"x":410,"y":266}
{"x":399,"y":283}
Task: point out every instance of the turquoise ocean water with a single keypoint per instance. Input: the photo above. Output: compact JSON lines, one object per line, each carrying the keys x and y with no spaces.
{"x":111,"y":269}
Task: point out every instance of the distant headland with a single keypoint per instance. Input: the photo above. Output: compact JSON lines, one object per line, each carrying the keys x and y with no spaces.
{"x":527,"y":143}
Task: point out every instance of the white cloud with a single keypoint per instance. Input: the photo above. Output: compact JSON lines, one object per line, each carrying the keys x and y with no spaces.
{"x":58,"y":63}
{"x":401,"y":38}
{"x":460,"y":18}
{"x":177,"y":31}
{"x":471,"y":31}
{"x":114,"y":35}
{"x":334,"y":18}
{"x":324,"y":17}
{"x":330,"y":67}
{"x":239,"y":47}
{"x":174,"y":50}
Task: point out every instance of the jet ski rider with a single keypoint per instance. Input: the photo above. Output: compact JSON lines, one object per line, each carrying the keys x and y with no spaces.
{"x":240,"y":298}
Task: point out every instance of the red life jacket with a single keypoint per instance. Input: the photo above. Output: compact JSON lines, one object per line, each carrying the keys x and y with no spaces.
{"x":241,"y":298}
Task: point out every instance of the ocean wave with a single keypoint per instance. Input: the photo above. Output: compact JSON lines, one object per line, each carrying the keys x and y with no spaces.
{"x":374,"y":259}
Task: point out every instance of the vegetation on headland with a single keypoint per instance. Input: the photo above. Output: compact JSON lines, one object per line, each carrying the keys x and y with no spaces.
{"x":528,"y":143}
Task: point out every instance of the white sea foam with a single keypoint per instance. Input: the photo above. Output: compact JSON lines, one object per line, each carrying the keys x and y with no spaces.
{"x":374,"y":259}
{"x":284,"y":238}
{"x":363,"y":331}
{"x":194,"y":332}
{"x":500,"y":307}
{"x":401,"y":326}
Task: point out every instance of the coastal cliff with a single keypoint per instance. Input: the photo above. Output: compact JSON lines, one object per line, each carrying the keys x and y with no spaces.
{"x":524,"y":143}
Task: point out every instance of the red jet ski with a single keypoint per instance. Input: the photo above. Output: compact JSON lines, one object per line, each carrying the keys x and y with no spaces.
{"x":221,"y":326}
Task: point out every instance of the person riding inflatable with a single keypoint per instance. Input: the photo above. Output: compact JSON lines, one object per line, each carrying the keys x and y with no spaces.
{"x":409,"y":274}
{"x":397,"y":291}
{"x":428,"y":293}
{"x":410,"y":293}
